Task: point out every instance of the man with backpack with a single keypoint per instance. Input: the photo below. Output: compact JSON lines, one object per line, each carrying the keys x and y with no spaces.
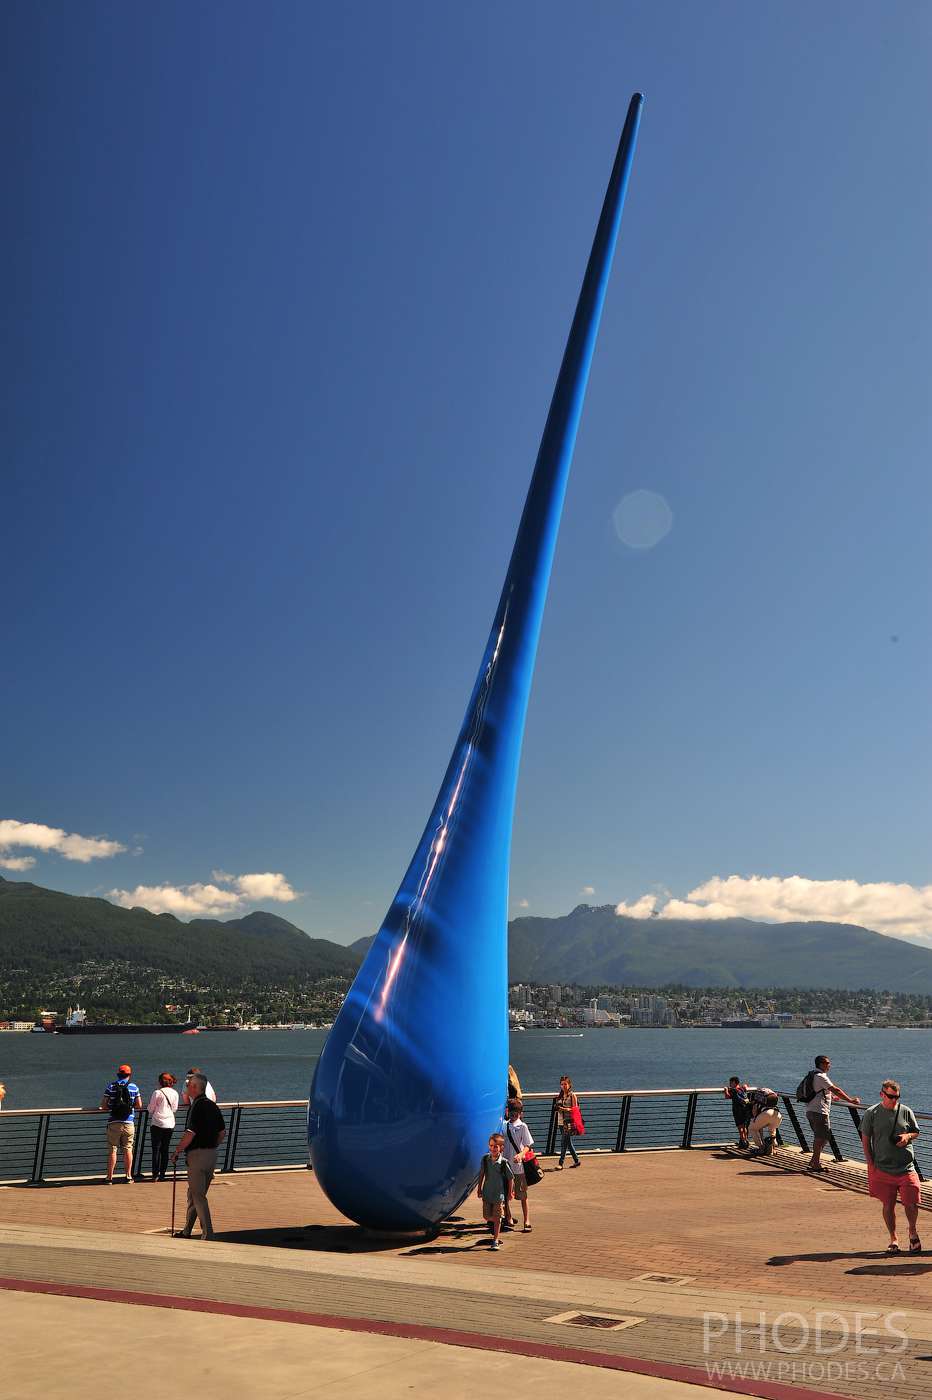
{"x":816,"y":1091}
{"x":121,"y":1100}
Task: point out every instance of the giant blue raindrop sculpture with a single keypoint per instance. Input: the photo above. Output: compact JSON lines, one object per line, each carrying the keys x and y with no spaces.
{"x":411,"y":1080}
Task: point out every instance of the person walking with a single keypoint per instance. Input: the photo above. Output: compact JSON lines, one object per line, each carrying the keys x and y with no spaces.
{"x":204,"y":1133}
{"x":564,"y":1103}
{"x":819,"y":1107}
{"x":163,"y":1106}
{"x":888,"y":1131}
{"x":496,"y":1180}
{"x":518,"y":1141}
{"x":121,"y":1100}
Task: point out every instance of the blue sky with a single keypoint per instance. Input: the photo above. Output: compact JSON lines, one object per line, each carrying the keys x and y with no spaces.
{"x":287,"y":288}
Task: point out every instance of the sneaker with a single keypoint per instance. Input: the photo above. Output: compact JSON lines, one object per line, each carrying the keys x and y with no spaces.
{"x":496,"y":1244}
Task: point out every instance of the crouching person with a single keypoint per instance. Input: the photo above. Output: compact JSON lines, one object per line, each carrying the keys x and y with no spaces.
{"x":766,"y":1120}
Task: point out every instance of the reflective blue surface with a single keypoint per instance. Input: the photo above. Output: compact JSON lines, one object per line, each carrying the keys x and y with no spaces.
{"x":412,"y":1078}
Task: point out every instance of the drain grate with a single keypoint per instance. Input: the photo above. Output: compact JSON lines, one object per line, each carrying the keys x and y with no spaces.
{"x":676,"y":1279}
{"x":609,"y":1322}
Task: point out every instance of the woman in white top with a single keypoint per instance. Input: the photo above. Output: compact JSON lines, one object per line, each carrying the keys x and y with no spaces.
{"x":162,"y":1107}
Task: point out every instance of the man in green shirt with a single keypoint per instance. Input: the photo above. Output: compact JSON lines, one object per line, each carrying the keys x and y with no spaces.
{"x":888,"y":1131}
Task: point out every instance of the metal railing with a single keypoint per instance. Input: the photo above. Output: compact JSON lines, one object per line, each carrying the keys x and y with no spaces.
{"x":844,"y":1139}
{"x":63,"y":1144}
{"x":635,"y":1120}
{"x":68,"y":1143}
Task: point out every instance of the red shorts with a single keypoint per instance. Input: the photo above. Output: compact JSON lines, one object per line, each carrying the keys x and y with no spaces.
{"x":885,"y":1186}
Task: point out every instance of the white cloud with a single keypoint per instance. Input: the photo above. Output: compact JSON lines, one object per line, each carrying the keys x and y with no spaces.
{"x":17,"y":862}
{"x":265,"y":886}
{"x":898,"y":910}
{"x":641,"y":908}
{"x":524,"y":904}
{"x":185,"y":901}
{"x":37,"y":837}
{"x":207,"y":901}
{"x":587,"y":889}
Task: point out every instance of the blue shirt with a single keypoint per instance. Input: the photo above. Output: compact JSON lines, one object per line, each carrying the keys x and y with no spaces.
{"x":109,"y":1093}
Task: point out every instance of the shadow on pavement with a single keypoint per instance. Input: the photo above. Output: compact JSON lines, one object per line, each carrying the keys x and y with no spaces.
{"x":327,"y":1239}
{"x":353,"y":1239}
{"x":901,"y":1270}
{"x":881,"y":1262}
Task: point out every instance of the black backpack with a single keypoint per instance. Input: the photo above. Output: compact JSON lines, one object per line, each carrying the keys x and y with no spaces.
{"x":121,"y":1105}
{"x":804,"y":1088}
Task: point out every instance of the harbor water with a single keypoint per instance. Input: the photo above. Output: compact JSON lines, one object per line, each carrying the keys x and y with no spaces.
{"x":52,"y":1071}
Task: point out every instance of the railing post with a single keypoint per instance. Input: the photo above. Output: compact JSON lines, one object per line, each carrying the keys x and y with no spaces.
{"x":691,"y":1104}
{"x":836,"y":1150}
{"x":139,"y":1144}
{"x":551,"y":1132}
{"x":38,"y":1161}
{"x":623,"y":1117}
{"x":229,"y":1159}
{"x":792,"y":1115}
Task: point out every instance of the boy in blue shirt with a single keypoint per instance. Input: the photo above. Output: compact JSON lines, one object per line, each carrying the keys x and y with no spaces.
{"x":496,"y":1185}
{"x":740,"y":1107}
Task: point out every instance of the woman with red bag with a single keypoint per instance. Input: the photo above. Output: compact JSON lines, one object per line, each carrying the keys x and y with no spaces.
{"x":565,"y":1103}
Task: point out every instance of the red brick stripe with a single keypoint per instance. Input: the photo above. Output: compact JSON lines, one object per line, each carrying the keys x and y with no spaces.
{"x":546,"y":1351}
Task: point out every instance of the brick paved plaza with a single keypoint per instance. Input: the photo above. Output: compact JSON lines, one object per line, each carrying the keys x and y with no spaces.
{"x":719,"y":1234}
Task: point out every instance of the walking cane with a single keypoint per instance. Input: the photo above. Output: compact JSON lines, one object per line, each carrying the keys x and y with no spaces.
{"x":174,"y":1184}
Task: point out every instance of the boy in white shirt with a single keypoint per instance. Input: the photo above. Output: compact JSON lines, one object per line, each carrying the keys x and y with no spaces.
{"x":517,"y":1141}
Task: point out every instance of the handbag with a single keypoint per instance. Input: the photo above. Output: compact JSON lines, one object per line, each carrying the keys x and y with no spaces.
{"x":532,"y":1171}
{"x":576,"y":1121}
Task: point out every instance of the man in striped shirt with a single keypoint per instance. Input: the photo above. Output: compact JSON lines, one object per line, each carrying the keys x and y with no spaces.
{"x":121,"y":1100}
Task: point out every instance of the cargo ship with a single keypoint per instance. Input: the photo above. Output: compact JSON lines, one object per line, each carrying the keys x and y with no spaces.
{"x":76,"y":1023}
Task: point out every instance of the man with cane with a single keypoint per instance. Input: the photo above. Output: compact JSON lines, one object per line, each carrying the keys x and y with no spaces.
{"x":205,"y":1131}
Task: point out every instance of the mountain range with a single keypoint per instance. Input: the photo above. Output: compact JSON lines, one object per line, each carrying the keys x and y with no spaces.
{"x":44,"y":932}
{"x":593,"y":946}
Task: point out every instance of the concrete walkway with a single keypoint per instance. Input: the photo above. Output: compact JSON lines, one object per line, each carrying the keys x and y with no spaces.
{"x":226,"y":1357}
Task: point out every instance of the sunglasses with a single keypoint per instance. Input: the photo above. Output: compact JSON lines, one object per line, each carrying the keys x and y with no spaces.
{"x":889,"y":1094}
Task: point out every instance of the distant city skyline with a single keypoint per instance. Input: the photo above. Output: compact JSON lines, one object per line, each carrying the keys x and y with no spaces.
{"x":289,"y":306}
